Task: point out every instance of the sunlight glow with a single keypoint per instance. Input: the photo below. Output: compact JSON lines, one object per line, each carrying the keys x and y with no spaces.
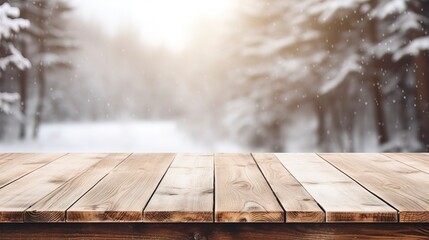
{"x":161,"y":22}
{"x":169,"y":22}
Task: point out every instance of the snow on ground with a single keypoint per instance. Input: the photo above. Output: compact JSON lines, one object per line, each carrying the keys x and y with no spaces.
{"x":115,"y":137}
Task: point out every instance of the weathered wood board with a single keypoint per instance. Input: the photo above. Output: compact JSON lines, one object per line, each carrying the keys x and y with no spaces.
{"x":241,"y":192}
{"x":214,"y":188}
{"x":186,"y":192}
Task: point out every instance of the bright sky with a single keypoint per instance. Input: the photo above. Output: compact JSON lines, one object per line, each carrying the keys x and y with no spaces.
{"x":162,"y":22}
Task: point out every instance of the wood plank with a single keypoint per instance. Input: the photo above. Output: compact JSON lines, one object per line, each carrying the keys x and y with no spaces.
{"x":16,"y":197}
{"x":186,"y":191}
{"x":4,"y":156}
{"x":123,"y":194}
{"x":224,"y":231}
{"x":297,"y":202}
{"x":52,"y":208}
{"x":342,"y":198}
{"x":16,"y":166}
{"x":9,"y":157}
{"x":241,"y":192}
{"x":416,"y":160}
{"x":12,"y":157}
{"x":402,"y":186}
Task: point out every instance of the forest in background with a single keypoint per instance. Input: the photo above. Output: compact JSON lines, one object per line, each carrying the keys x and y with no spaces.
{"x":285,"y":75}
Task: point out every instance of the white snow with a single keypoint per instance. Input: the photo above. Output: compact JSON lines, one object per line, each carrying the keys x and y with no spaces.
{"x":402,"y":142}
{"x":115,"y":137}
{"x":16,"y":58}
{"x":9,"y":22}
{"x":328,"y":9}
{"x":267,"y":49}
{"x":7,"y":100}
{"x":407,"y":22}
{"x":349,"y":66}
{"x":387,"y":8}
{"x":413,"y":49}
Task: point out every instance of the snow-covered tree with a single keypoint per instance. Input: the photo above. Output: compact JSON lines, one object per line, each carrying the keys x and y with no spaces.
{"x":384,"y":31}
{"x":405,"y":45}
{"x":53,"y":41}
{"x":10,"y":25}
{"x":351,"y":60}
{"x":268,"y":87}
{"x":44,"y":43}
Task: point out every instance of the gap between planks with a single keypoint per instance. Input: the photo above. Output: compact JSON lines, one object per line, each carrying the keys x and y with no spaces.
{"x":342,"y":199}
{"x":123,"y":194}
{"x":298,"y":204}
{"x":185,"y":194}
{"x":399,"y":185}
{"x":267,"y":169}
{"x":242,"y":193}
{"x":52,"y":207}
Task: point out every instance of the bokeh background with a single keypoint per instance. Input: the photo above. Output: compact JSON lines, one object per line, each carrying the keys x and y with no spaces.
{"x":223,"y":76}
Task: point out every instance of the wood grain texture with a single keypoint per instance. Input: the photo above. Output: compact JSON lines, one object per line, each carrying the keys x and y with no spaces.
{"x":6,"y":157}
{"x":418,"y":161}
{"x":186,"y":191}
{"x":16,"y":197}
{"x":222,"y":231}
{"x":15,"y":166}
{"x":403,"y":187}
{"x":52,"y":208}
{"x":2,"y":155}
{"x":123,"y":194}
{"x":341,"y":198}
{"x":241,"y":192}
{"x":297,"y":202}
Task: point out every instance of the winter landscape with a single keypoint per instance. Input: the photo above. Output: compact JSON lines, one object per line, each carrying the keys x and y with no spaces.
{"x":214,"y":76}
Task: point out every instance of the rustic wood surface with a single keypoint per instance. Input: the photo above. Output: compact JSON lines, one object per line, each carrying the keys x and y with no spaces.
{"x":402,"y":186}
{"x":186,"y":192}
{"x":16,"y":197}
{"x":6,"y":157}
{"x":53,"y":206}
{"x":15,"y":166}
{"x":122,"y":194}
{"x":185,"y":188}
{"x":241,"y":192}
{"x":222,"y":231}
{"x":342,"y":199}
{"x":417,"y":161}
{"x":297,"y":202}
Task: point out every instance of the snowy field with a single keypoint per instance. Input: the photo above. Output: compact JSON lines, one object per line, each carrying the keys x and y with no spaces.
{"x":115,"y":137}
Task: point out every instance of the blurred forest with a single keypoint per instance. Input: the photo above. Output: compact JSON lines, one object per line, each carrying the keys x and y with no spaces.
{"x":275,"y":75}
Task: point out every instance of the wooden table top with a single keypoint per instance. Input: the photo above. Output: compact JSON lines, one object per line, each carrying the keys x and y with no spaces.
{"x":259,"y":187}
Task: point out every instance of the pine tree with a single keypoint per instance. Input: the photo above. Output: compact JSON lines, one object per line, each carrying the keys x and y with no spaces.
{"x":267,"y":84}
{"x":409,"y":30}
{"x":46,"y":41}
{"x":10,"y":25}
{"x":53,"y":42}
{"x":339,"y":56}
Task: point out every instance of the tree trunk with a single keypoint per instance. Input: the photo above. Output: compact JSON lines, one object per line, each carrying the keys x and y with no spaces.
{"x":40,"y":101}
{"x":23,"y":94}
{"x":349,"y":108}
{"x":318,"y":106}
{"x":376,"y":88}
{"x":404,"y":115}
{"x":337,"y":125}
{"x":379,"y":113}
{"x":41,"y":78}
{"x":422,"y":98}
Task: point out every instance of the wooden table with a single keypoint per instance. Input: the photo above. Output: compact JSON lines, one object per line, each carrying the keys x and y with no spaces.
{"x":214,"y":196}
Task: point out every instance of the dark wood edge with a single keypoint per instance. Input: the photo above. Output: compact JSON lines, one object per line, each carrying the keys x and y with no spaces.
{"x":214,"y":231}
